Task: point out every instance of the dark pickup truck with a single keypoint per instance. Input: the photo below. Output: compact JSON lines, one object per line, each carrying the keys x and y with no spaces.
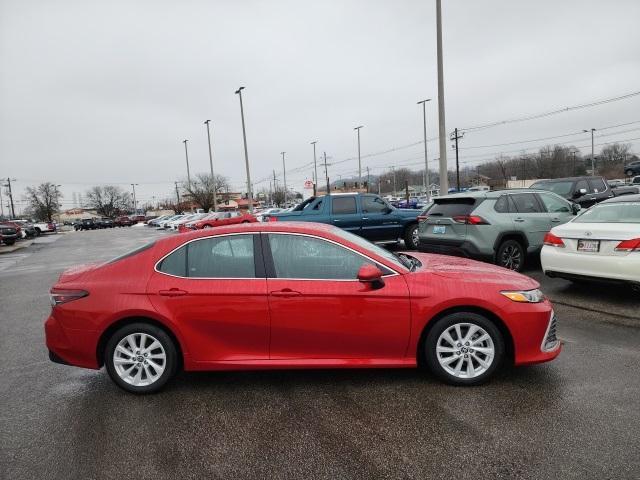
{"x":364,"y":214}
{"x":585,"y":191}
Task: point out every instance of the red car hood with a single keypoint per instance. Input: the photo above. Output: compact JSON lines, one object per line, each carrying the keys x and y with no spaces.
{"x":74,"y":273}
{"x":465,"y":270}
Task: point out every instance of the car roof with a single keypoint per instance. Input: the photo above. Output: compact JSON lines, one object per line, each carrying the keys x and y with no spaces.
{"x":490,"y":194}
{"x":566,"y":179}
{"x":623,"y":199}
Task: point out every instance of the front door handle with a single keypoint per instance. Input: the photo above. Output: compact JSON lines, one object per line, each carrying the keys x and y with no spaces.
{"x":556,"y":220}
{"x":285,"y":292}
{"x":336,"y":219}
{"x":173,"y":292}
{"x":518,"y":219}
{"x":365,"y":218}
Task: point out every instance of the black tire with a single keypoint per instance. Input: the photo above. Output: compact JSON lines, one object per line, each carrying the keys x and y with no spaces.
{"x":511,"y":254}
{"x":9,"y":242}
{"x":38,"y":231}
{"x":411,"y":237}
{"x":629,"y":173}
{"x":431,"y":342}
{"x":171,"y":361}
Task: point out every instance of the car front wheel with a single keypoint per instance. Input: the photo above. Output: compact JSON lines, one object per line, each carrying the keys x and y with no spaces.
{"x":411,"y":237}
{"x":140,"y":358}
{"x":464,"y":348}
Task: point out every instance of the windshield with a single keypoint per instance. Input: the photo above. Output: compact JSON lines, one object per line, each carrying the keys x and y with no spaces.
{"x":382,"y":252}
{"x":623,"y":212}
{"x":561,"y":188}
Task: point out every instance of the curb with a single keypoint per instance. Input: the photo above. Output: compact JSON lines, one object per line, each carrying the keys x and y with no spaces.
{"x":15,"y":247}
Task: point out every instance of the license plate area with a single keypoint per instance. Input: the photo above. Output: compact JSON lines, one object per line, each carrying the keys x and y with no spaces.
{"x":439,"y":229}
{"x":592,"y":246}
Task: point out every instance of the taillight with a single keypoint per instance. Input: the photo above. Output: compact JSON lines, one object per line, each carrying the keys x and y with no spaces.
{"x":59,"y":296}
{"x":273,"y":219}
{"x":632,"y":245}
{"x":422,"y":218}
{"x":470,"y":220}
{"x":553,"y":241}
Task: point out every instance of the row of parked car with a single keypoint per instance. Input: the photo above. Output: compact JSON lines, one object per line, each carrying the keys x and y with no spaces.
{"x":105,"y":222}
{"x":13,"y":230}
{"x":186,"y":222}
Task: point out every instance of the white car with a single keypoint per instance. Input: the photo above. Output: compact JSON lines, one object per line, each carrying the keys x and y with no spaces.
{"x":261,"y":216}
{"x":603,"y":243}
{"x":174,"y":224}
{"x":163,"y":223}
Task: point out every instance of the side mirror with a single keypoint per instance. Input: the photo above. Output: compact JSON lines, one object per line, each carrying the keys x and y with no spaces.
{"x":388,"y":210}
{"x":575,"y":208}
{"x":579,"y":193}
{"x":372,"y":275}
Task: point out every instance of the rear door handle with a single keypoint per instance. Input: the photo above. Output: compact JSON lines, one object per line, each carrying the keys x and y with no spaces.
{"x":555,"y":220}
{"x":285,"y":292}
{"x":336,"y":219}
{"x":173,"y":292}
{"x":365,"y":218}
{"x":518,"y":219}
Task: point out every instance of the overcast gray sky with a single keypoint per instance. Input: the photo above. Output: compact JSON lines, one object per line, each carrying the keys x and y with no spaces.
{"x":95,"y":92}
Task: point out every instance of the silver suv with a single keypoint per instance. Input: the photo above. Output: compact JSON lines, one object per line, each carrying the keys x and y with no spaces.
{"x":501,"y":226}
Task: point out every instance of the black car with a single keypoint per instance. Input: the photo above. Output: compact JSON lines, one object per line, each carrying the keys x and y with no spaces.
{"x":632,"y":168}
{"x":86,"y":224}
{"x":104,"y":222}
{"x":8,"y":234}
{"x":585,"y":191}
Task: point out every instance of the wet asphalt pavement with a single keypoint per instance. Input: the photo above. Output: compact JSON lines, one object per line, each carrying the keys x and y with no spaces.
{"x":576,"y":417}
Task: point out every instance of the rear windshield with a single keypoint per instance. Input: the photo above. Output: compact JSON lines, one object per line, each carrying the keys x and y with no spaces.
{"x":623,"y":212}
{"x":132,"y":252}
{"x":451,"y":207}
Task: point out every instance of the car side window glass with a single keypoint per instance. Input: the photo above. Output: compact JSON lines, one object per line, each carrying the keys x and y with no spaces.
{"x":298,"y":256}
{"x":229,"y":256}
{"x":502,"y":204}
{"x":318,"y":205}
{"x":582,"y":184}
{"x":526,"y":203}
{"x":554,"y":204}
{"x":343,"y":205}
{"x":597,"y":185}
{"x":373,"y":205}
{"x":176,"y":263}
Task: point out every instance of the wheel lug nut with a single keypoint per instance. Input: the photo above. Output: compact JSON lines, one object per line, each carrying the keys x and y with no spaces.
{"x":458,"y":352}
{"x":466,"y":344}
{"x":471,"y":350}
{"x":466,"y":356}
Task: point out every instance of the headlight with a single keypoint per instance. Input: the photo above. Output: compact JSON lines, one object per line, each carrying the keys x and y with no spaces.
{"x":524,"y":296}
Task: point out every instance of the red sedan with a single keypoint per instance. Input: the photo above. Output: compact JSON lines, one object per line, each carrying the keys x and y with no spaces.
{"x":293,"y":295}
{"x":220,"y":219}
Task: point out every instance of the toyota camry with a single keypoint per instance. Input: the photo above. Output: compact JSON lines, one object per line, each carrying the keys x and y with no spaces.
{"x":293,"y":295}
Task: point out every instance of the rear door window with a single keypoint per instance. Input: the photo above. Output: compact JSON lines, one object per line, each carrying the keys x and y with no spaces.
{"x":452,"y":207}
{"x":371,"y":204}
{"x":597,"y":185}
{"x":527,"y":203}
{"x":504,"y":205}
{"x":343,"y":205}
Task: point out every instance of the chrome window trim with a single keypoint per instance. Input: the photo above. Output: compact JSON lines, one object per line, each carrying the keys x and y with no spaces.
{"x":395,"y":273}
{"x":155,"y":267}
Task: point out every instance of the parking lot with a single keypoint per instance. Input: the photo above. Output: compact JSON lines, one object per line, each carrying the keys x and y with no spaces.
{"x":576,"y":417}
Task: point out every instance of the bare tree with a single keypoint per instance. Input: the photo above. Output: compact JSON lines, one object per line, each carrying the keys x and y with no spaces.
{"x":108,"y":201}
{"x":204,"y":187}
{"x":44,"y":201}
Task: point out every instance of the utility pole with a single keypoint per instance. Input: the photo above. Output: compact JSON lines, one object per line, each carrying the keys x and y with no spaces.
{"x":213,"y":177}
{"x":455,"y":136}
{"x":393,"y":168}
{"x":284,"y":177}
{"x":177,"y":196}
{"x":315,"y":168}
{"x":186,"y":154}
{"x":573,"y":162}
{"x":13,"y":211}
{"x":368,"y":179}
{"x":357,"y":129}
{"x":426,"y":162}
{"x":246,"y":154}
{"x":593,"y":156}
{"x":444,"y":179}
{"x":326,"y":173}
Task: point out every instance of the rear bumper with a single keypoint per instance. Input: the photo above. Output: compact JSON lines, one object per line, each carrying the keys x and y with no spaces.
{"x":70,"y":346}
{"x":557,"y":262}
{"x":459,"y":248}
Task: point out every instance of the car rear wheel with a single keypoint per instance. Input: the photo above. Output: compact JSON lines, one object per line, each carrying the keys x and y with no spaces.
{"x":629,"y":173}
{"x":511,"y":255}
{"x":140,"y":358}
{"x":411,"y":237}
{"x":9,"y":242}
{"x":464,"y":348}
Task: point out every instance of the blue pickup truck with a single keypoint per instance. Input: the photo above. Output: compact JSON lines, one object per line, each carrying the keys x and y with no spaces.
{"x":364,"y":214}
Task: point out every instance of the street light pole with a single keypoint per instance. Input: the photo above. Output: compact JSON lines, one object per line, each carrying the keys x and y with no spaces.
{"x":357,"y":129}
{"x":426,"y":161}
{"x":444,"y":178}
{"x":186,"y":154}
{"x":246,"y":153}
{"x":135,"y":203}
{"x":284,"y":177}
{"x":213,"y":177}
{"x":13,"y":211}
{"x":315,"y":168}
{"x":593,"y":161}
{"x":326,"y":173}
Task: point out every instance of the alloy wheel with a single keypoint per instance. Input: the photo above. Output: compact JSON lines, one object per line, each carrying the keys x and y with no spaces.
{"x":415,"y":236}
{"x":139,"y":359}
{"x":511,"y":257}
{"x":465,"y":350}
